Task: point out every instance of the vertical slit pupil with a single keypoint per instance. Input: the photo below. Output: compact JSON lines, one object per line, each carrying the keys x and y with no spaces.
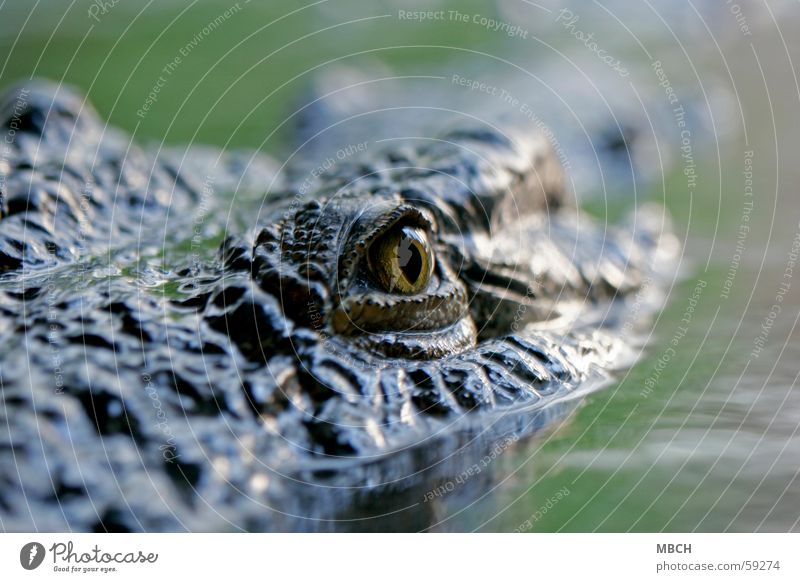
{"x":411,"y":262}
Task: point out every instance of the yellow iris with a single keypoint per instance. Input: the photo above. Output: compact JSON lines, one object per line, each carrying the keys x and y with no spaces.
{"x":402,"y":260}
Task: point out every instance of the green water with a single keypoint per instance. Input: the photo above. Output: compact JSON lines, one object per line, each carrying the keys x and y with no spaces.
{"x":713,"y":444}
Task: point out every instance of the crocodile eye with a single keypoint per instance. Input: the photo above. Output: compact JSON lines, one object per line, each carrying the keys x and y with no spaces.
{"x":402,"y":260}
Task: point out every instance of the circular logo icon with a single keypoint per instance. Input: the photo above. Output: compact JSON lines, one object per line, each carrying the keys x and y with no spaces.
{"x":31,"y":555}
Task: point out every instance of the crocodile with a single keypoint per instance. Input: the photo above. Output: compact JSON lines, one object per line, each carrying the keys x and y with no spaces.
{"x":170,"y":361}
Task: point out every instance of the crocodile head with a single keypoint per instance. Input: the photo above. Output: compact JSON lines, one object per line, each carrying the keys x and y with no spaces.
{"x":426,"y":281}
{"x":352,"y":310}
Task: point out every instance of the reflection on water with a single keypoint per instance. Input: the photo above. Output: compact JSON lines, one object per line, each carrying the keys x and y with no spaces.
{"x":418,"y":488}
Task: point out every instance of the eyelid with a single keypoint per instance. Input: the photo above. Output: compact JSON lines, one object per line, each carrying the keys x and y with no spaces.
{"x":401,"y":216}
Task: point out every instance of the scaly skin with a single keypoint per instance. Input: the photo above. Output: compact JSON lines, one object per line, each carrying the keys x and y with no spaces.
{"x":162,"y":392}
